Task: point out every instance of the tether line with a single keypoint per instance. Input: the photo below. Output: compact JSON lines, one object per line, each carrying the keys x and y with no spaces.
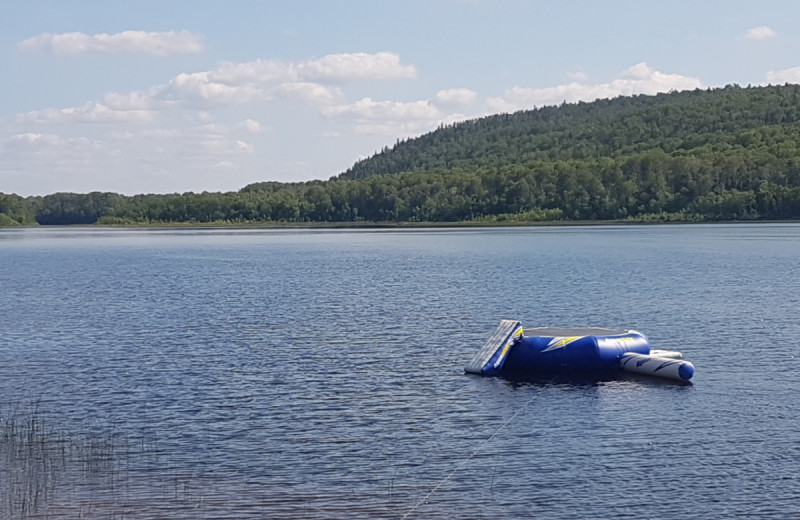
{"x":461,"y":464}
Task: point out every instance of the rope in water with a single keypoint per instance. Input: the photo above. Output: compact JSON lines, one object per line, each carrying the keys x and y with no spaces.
{"x":461,"y":464}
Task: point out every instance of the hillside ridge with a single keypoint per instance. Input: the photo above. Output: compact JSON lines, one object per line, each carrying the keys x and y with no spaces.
{"x":674,"y":122}
{"x":716,"y":154}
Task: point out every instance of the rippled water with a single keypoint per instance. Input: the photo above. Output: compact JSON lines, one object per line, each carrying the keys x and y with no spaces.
{"x":319,"y":374}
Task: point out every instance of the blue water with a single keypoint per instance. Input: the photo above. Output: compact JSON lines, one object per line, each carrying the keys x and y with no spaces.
{"x":319,"y":374}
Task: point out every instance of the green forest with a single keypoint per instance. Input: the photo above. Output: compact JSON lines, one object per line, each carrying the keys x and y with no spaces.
{"x":730,"y":153}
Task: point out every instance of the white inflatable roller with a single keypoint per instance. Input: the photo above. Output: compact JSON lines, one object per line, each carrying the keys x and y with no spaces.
{"x":659,"y":366}
{"x":672,"y":354}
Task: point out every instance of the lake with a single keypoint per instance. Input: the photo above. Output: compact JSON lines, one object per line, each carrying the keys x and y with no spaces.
{"x":257,"y":373}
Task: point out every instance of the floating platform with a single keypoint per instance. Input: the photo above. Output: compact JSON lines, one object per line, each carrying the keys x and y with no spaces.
{"x":515,"y":352}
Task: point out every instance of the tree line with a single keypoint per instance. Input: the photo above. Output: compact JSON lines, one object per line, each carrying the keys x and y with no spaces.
{"x":723,"y":154}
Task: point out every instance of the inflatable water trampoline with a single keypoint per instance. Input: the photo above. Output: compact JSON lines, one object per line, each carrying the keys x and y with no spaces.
{"x":583,"y":351}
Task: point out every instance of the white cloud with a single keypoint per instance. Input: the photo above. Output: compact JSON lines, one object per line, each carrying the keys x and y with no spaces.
{"x":250,"y":125}
{"x":639,"y":79}
{"x":158,"y":134}
{"x":155,"y":43}
{"x":129,"y":160}
{"x":223,"y":165}
{"x":222,"y":146}
{"x":381,"y":65}
{"x":367,"y":108}
{"x":264,"y":79}
{"x":131,"y":101}
{"x":578,"y":76}
{"x":391,"y":118}
{"x":312,"y":92}
{"x":211,"y":129}
{"x":91,"y":112}
{"x":205,"y":120}
{"x":37,"y":139}
{"x":391,"y":128}
{"x":32,"y":147}
{"x":257,"y":72}
{"x":200,"y":86}
{"x":760,"y":33}
{"x":784,"y":76}
{"x":234,"y":83}
{"x":456,"y":97}
{"x":243,"y":146}
{"x":241,"y":82}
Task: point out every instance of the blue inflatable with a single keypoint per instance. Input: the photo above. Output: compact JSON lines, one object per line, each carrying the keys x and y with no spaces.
{"x":510,"y":351}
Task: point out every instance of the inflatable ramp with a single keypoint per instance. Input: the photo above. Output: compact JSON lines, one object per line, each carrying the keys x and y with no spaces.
{"x":490,"y":359}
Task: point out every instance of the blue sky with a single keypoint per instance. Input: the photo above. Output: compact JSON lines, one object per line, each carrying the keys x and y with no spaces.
{"x":177,"y":96}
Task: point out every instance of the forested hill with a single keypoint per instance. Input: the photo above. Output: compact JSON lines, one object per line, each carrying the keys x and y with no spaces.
{"x":690,"y":123}
{"x":721,"y":154}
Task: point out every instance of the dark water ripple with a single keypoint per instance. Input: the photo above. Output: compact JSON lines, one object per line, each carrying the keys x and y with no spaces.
{"x":274,"y":374}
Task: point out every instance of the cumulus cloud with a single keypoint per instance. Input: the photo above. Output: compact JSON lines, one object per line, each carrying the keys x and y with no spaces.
{"x":250,"y":125}
{"x":381,"y":65}
{"x":784,"y":76}
{"x":264,"y":79}
{"x":169,"y":156}
{"x":312,"y":92}
{"x":187,"y":95}
{"x":37,"y":139}
{"x":226,"y":147}
{"x":212,"y":118}
{"x":253,"y":72}
{"x":639,"y":79}
{"x":243,"y":146}
{"x":760,"y":33}
{"x":367,"y":108}
{"x":391,"y":118}
{"x":158,"y":134}
{"x":146,"y":42}
{"x":33,"y":147}
{"x":578,"y":76}
{"x":135,"y":101}
{"x":201,"y":86}
{"x":456,"y":97}
{"x":91,"y":112}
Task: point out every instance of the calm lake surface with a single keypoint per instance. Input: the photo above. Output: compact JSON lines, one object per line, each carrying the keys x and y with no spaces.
{"x":319,"y":374}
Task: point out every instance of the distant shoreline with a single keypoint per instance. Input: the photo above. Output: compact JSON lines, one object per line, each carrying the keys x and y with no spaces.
{"x":390,"y":225}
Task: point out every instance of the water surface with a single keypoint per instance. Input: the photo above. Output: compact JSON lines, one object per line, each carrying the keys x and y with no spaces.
{"x":319,"y":374}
